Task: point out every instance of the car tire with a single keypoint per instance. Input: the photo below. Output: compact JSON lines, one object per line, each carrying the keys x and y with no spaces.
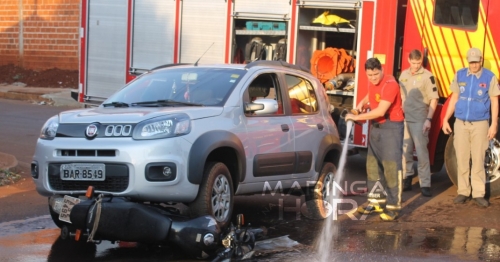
{"x":317,"y":197}
{"x":216,"y":190}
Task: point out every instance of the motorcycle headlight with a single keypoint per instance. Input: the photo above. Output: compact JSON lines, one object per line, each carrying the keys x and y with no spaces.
{"x":163,"y":127}
{"x":49,"y":129}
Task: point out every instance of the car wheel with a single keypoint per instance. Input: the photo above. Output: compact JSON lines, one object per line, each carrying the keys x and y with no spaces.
{"x":317,"y":197}
{"x":215,"y":196}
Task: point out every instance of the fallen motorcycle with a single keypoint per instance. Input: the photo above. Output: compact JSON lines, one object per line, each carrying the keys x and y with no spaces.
{"x":117,"y":219}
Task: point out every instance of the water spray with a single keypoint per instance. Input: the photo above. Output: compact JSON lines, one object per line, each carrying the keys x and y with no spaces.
{"x":324,"y":241}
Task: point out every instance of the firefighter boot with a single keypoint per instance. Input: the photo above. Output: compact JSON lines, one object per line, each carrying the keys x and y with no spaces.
{"x":389,"y":215}
{"x":370,"y":207}
{"x":407,"y":184}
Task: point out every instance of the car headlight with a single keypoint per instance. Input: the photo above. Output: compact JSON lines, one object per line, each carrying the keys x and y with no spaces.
{"x":163,"y":127}
{"x":49,"y":129}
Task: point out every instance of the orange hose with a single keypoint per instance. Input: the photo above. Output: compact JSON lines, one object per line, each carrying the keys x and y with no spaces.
{"x":327,"y":63}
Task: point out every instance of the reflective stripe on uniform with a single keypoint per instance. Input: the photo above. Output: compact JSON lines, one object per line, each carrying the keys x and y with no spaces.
{"x":393,"y":207}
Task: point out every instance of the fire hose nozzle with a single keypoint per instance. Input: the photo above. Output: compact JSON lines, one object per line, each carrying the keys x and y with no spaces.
{"x":352,"y":111}
{"x":347,"y":111}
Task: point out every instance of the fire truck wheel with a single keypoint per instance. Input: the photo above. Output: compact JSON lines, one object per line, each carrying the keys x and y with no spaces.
{"x":216,"y":195}
{"x":318,"y":198}
{"x":492,"y":164}
{"x":438,"y":163}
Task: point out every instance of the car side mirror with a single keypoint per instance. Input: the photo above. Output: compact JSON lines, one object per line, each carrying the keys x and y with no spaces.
{"x":263,"y":106}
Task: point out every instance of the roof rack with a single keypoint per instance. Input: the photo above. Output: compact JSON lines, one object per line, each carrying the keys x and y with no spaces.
{"x":276,"y":63}
{"x":169,"y":65}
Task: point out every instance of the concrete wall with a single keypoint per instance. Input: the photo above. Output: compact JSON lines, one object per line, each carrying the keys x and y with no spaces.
{"x":40,"y":34}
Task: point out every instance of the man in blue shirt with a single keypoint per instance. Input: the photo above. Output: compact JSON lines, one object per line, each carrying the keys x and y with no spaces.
{"x":474,"y":99}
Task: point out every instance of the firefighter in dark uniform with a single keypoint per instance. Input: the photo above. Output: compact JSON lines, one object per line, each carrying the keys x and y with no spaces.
{"x":475,"y":96}
{"x":385,"y":145}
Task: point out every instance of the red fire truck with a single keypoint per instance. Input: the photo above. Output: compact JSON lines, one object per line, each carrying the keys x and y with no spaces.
{"x":123,"y":38}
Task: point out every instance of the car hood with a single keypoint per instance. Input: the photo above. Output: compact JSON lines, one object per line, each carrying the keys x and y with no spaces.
{"x":134,"y":114}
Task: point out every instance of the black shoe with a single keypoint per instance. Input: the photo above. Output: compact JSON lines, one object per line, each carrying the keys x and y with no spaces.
{"x":426,"y":191}
{"x":407,"y":184}
{"x":481,"y":202}
{"x":460,"y":199}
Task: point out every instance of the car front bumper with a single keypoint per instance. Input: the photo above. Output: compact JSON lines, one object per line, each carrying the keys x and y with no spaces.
{"x":126,"y":161}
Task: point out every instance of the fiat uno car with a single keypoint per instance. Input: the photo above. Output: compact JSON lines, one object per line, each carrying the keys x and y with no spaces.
{"x":196,"y":135}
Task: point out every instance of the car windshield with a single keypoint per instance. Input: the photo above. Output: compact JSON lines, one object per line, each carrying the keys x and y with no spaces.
{"x":193,"y":86}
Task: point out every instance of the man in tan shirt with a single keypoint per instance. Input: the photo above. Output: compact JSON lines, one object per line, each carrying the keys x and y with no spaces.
{"x":420,"y":97}
{"x":474,"y":103}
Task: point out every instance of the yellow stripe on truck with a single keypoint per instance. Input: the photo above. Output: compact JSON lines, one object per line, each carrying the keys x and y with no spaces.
{"x":447,"y":46}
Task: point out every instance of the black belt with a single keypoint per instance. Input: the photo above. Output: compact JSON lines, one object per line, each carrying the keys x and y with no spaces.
{"x":387,"y":124}
{"x":377,"y":124}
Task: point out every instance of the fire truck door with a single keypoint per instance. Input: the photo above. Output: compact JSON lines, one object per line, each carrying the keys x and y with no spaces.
{"x":365,"y":47}
{"x":106,"y":47}
{"x":203,"y":24}
{"x":152,"y":34}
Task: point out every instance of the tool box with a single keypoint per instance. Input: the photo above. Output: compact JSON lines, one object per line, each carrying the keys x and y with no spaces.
{"x":259,"y":25}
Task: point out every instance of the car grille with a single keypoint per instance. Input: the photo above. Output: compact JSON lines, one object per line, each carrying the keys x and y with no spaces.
{"x":117,"y":179}
{"x":86,"y":153}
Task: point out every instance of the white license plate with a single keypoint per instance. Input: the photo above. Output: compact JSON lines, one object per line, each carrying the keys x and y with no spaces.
{"x":67,"y":205}
{"x":83,"y":172}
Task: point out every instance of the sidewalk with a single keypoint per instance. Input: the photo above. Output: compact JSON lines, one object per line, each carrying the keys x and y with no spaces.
{"x":38,"y":95}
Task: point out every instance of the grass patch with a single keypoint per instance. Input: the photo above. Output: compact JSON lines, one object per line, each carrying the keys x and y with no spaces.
{"x":7,"y":177}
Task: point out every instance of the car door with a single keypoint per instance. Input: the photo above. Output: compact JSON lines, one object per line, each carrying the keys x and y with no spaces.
{"x":268,"y":142}
{"x":309,"y":126}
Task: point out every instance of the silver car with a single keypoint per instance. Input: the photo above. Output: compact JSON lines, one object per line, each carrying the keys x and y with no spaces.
{"x":196,"y":135}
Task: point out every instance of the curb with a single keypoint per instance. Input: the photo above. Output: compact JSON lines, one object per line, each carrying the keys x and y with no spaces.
{"x":24,"y":96}
{"x":40,"y":95}
{"x":7,"y":161}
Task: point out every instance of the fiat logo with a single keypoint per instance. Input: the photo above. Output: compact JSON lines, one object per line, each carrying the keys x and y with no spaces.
{"x":91,"y":131}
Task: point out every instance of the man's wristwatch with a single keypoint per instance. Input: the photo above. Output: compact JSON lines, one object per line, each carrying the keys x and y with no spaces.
{"x":430,"y":119}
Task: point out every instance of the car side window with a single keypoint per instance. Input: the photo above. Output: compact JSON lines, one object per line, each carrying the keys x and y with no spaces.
{"x":264,"y":89}
{"x":302,"y":95}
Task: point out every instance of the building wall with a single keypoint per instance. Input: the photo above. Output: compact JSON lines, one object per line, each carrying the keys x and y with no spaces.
{"x":40,"y":34}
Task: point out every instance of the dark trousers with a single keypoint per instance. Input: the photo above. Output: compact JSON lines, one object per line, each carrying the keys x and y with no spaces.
{"x":384,"y":163}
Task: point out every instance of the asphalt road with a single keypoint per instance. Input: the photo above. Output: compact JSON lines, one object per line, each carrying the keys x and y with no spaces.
{"x":20,"y":124}
{"x":429,"y":229}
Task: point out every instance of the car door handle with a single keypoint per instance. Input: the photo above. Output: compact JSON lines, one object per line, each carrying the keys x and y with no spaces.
{"x":320,"y":127}
{"x":285,"y":128}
